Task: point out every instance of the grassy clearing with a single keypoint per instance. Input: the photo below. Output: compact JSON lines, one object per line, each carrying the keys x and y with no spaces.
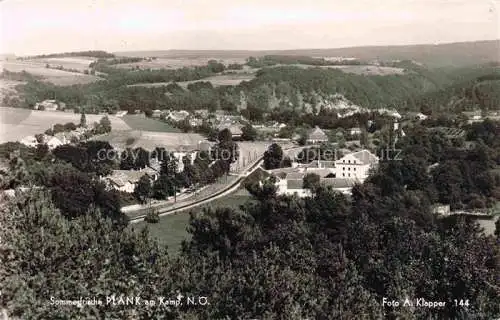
{"x":171,"y":230}
{"x":58,"y":77}
{"x":138,"y":122}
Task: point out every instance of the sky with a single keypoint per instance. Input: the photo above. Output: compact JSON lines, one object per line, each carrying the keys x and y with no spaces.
{"x":46,"y":26}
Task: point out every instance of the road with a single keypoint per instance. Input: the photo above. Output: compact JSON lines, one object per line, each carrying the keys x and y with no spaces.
{"x":230,"y":188}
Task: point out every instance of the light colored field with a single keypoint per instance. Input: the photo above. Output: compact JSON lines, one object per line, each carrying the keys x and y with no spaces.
{"x":19,"y":123}
{"x":58,"y":77}
{"x":361,"y":69}
{"x":368,"y":70}
{"x":217,"y":81}
{"x":78,"y":63}
{"x":140,"y":122}
{"x":175,"y":63}
{"x":149,"y":140}
{"x":171,"y":229}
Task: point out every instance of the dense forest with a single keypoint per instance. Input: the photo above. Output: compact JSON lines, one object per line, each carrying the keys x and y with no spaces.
{"x":277,"y":257}
{"x":90,"y":53}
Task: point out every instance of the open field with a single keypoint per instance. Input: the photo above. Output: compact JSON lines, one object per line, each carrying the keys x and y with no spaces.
{"x":216,"y":81}
{"x":368,"y":70}
{"x":361,"y":69}
{"x":78,"y":63}
{"x":171,"y":230}
{"x":58,"y":77}
{"x":140,"y":122}
{"x":149,"y":140}
{"x":175,"y":63}
{"x":19,"y":123}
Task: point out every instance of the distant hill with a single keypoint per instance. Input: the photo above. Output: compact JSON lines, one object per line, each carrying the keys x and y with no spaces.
{"x":440,"y":55}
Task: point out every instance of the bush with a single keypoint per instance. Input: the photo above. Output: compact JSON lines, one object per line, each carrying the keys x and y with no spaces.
{"x":152,"y":216}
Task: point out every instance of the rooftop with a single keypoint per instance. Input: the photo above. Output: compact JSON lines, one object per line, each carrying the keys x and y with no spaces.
{"x":365,"y":156}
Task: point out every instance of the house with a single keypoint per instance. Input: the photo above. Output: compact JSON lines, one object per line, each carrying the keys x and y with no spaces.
{"x":54,"y":142}
{"x":235,"y":129}
{"x":338,"y":184}
{"x":121,"y":113}
{"x":441,"y":209}
{"x":291,"y":184}
{"x":47,"y":105}
{"x":202,"y":113}
{"x":420,"y":116}
{"x":126,"y":180}
{"x":29,"y":141}
{"x":473,"y":116}
{"x":195,"y":122}
{"x":157,"y":113}
{"x":355,"y":131}
{"x":178,"y":115}
{"x":356,"y":165}
{"x":316,"y":135}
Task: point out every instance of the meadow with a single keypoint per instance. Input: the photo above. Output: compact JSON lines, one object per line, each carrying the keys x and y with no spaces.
{"x":58,"y":77}
{"x":232,"y":79}
{"x":149,"y":140}
{"x":171,"y":230}
{"x":17,"y":123}
{"x":175,"y":63}
{"x":140,"y":122}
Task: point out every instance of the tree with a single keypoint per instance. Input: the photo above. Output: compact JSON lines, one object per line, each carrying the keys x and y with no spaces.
{"x":311,"y":181}
{"x":152,"y":216}
{"x":83,"y":120}
{"x":143,"y":189}
{"x":80,"y":249}
{"x":273,"y":157}
{"x":248,"y":133}
{"x":105,"y":124}
{"x":40,"y":138}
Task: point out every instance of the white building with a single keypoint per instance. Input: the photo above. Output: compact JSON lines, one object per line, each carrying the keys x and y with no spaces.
{"x":355,"y":131}
{"x":47,"y":105}
{"x":317,"y":135}
{"x":29,"y":141}
{"x":126,"y":180}
{"x":54,"y":142}
{"x":356,"y":165}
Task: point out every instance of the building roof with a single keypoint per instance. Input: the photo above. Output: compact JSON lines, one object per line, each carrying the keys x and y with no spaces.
{"x":294,"y":184}
{"x":320,"y":172}
{"x":295,"y":175}
{"x":365,"y":156}
{"x":121,"y":177}
{"x":317,"y":134}
{"x":337,"y":183}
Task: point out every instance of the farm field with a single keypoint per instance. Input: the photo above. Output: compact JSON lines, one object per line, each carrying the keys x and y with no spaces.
{"x":149,"y":140}
{"x":78,"y":63}
{"x":361,"y":69}
{"x":140,"y":122}
{"x":368,"y":70}
{"x":171,"y":229}
{"x":217,"y":81}
{"x":175,"y":63}
{"x":19,"y":123}
{"x":58,"y":77}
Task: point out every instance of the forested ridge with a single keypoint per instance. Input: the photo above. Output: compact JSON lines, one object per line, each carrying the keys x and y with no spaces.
{"x":283,"y":87}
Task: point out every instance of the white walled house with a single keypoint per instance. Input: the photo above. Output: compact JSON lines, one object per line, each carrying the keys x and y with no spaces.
{"x":29,"y":141}
{"x":126,"y":180}
{"x":356,"y":165}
